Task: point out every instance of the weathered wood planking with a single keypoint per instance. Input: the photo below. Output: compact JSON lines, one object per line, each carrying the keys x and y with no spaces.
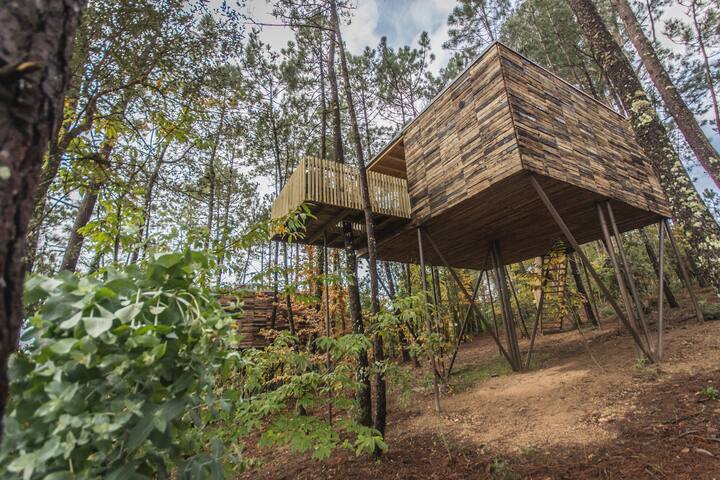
{"x":252,"y":312}
{"x":462,"y":143}
{"x":568,"y":135}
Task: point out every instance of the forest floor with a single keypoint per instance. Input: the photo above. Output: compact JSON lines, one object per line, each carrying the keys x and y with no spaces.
{"x":574,"y":415}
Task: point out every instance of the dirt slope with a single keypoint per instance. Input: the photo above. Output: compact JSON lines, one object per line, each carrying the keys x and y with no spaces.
{"x":575,"y":415}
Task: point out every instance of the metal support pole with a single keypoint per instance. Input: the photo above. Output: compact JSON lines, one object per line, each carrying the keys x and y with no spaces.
{"x":525,"y":332}
{"x":538,"y":316}
{"x":507,"y":308}
{"x":467,"y":317}
{"x":467,"y":296}
{"x":616,"y":267}
{"x":628,"y":274}
{"x":328,"y":328}
{"x":574,"y":244}
{"x":428,"y":322}
{"x":683,"y":271}
{"x":661,"y":281}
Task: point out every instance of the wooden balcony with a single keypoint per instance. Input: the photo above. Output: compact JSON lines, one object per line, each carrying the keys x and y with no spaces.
{"x":332,"y":190}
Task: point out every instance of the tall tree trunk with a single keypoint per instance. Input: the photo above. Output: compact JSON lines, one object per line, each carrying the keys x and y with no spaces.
{"x":364,"y":396}
{"x":674,"y":103}
{"x":58,"y":147}
{"x":701,"y":230}
{"x":212,"y":177}
{"x":36,"y":41}
{"x":706,"y":64}
{"x":380,"y":387}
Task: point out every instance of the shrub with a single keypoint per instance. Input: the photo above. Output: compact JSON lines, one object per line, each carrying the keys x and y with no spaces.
{"x":118,"y":377}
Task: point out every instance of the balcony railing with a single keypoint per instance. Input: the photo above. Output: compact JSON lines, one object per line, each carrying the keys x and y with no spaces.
{"x":331,"y":183}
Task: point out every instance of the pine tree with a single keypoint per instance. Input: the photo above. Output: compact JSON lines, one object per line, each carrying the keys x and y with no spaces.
{"x":700,"y":228}
{"x":672,"y":100}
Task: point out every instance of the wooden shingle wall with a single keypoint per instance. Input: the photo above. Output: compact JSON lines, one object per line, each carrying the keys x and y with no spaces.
{"x":569,"y":136}
{"x":462,"y":143}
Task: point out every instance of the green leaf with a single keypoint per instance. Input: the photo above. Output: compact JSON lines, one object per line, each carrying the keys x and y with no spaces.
{"x":96,"y":326}
{"x":71,"y":322}
{"x":127,"y":314}
{"x":63,"y":346}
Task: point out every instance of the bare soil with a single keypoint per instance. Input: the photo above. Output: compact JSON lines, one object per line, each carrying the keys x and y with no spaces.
{"x":587,"y":409}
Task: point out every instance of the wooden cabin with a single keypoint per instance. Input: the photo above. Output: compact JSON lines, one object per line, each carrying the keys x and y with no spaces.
{"x":461,"y":170}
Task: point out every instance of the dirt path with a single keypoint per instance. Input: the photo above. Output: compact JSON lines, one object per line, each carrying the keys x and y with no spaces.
{"x":567,"y":418}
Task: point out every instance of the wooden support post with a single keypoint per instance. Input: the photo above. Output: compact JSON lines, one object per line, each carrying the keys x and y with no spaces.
{"x":510,"y":332}
{"x":469,"y":299}
{"x":661,"y":281}
{"x":629,"y":275}
{"x":428,"y":322}
{"x":574,"y":244}
{"x":683,"y":271}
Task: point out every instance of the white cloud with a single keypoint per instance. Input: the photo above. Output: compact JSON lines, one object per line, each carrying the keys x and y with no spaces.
{"x":362,"y":30}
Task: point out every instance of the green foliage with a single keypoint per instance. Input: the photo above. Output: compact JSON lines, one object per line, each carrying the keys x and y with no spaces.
{"x":118,"y":380}
{"x":711,"y":393}
{"x":279,"y":386}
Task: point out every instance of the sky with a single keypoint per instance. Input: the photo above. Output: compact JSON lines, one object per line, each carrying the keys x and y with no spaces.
{"x":401,"y":21}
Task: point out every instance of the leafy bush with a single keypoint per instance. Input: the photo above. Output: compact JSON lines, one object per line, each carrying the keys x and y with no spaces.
{"x":118,"y":380}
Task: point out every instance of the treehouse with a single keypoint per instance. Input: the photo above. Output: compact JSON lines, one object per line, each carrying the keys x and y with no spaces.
{"x":504,"y":163}
{"x":461,"y":171}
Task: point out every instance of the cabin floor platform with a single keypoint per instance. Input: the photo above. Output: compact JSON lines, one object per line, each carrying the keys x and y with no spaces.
{"x":511,"y":213}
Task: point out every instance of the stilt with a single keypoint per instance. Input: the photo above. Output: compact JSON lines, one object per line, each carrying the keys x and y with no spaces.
{"x":436,"y":388}
{"x":492,"y":305}
{"x":508,"y":320}
{"x":616,"y":269}
{"x":525,"y":332}
{"x":467,"y":317}
{"x":629,"y":275}
{"x":538,"y":315}
{"x":683,"y":271}
{"x":459,"y":283}
{"x":661,"y":289}
{"x":574,"y":244}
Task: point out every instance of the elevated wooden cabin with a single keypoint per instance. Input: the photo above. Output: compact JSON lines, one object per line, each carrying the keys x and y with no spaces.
{"x":461,"y":171}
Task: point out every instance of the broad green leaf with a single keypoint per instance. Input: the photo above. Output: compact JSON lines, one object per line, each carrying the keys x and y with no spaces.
{"x":96,"y":326}
{"x":71,"y":322}
{"x":63,"y":346}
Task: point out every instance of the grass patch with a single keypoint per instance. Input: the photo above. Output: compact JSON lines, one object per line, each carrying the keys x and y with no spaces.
{"x":471,"y":374}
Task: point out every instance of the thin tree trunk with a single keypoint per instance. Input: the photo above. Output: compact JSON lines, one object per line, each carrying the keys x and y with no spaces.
{"x":82,"y":217}
{"x":380,"y":387}
{"x":35,"y":46}
{"x":212,"y":177}
{"x":706,"y":66}
{"x":364,"y":395}
{"x":701,"y":230}
{"x":674,"y":103}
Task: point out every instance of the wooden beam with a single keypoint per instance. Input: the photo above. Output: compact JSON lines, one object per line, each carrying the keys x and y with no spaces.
{"x":436,"y":389}
{"x":683,"y":271}
{"x":332,"y":221}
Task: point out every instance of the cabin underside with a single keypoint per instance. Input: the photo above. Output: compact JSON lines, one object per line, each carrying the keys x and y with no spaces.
{"x":509,"y":212}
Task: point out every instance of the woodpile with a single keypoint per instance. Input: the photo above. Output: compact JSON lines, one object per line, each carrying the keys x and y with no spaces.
{"x":253,"y":312}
